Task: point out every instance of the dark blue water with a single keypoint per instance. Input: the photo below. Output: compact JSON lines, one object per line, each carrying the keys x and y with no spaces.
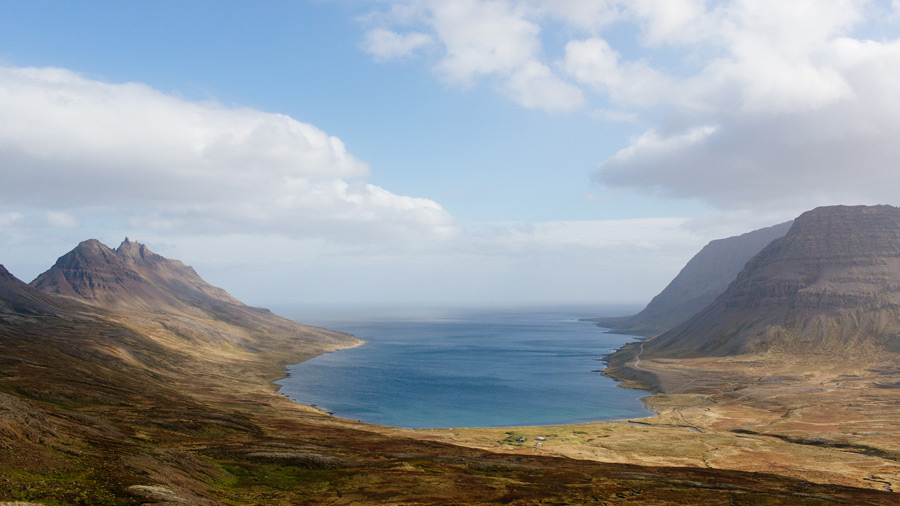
{"x":467,"y":369}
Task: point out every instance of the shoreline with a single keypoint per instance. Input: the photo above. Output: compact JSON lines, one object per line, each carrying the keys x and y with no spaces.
{"x":693,"y":420}
{"x":634,"y":405}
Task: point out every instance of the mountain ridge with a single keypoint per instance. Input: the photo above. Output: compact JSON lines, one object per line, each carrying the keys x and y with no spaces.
{"x":169,"y":401}
{"x":706,"y":275}
{"x":131,"y":276}
{"x":830,"y":285}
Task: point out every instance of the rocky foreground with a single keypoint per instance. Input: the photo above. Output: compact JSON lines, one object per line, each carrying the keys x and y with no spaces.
{"x":125,"y":379}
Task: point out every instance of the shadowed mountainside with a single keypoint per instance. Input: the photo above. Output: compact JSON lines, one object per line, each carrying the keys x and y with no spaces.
{"x":18,"y":298}
{"x":104,"y":402}
{"x":829,"y":287}
{"x":698,"y":284}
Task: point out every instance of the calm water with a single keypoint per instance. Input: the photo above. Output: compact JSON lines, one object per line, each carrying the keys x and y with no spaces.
{"x":467,"y":369}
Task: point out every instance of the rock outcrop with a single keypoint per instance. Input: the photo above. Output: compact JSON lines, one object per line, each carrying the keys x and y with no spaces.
{"x":698,"y":284}
{"x":830,"y":286}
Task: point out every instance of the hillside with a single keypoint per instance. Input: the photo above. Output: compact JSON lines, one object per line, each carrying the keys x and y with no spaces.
{"x":830,"y":286}
{"x":131,"y":276}
{"x":17,"y":298}
{"x":106,"y":402}
{"x":171,"y":295}
{"x":698,"y":284}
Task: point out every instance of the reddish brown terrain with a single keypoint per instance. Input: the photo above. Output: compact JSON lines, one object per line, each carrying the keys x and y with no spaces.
{"x":794,"y":369}
{"x":125,"y":379}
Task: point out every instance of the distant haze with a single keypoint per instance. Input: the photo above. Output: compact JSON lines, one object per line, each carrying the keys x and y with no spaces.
{"x":458,"y":152}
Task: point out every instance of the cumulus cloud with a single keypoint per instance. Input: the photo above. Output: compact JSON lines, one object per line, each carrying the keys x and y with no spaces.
{"x":386,"y":44}
{"x":496,"y":40}
{"x":744,"y":103}
{"x":790,"y":112}
{"x":9,"y":218}
{"x":594,"y":63}
{"x":58,"y":219}
{"x":78,"y":146}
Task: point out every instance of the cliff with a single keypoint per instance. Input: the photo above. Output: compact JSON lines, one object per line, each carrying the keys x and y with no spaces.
{"x":829,"y":287}
{"x":698,"y":284}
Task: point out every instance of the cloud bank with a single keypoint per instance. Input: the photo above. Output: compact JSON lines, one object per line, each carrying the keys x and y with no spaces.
{"x":276,"y":210}
{"x":745,"y":103}
{"x":79,"y":149}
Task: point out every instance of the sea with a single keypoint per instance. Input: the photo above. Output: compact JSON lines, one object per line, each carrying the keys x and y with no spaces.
{"x":444,"y":368}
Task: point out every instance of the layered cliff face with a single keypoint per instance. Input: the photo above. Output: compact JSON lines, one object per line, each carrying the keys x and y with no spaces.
{"x":698,"y":284}
{"x":830,"y":286}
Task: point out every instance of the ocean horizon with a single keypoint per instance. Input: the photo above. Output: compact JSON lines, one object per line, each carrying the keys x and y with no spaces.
{"x":458,"y":367}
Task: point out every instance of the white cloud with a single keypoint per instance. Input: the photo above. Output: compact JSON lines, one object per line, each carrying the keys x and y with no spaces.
{"x":386,"y":44}
{"x":595,"y":64}
{"x":534,"y":86}
{"x":79,"y":146}
{"x":496,"y":40}
{"x":796,"y":101}
{"x":588,"y":15}
{"x":819,"y":130}
{"x":10,"y":218}
{"x":483,"y":38}
{"x":62,"y":220}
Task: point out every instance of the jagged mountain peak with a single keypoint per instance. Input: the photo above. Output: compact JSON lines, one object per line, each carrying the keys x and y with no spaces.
{"x":130,"y":276}
{"x":133,"y":252}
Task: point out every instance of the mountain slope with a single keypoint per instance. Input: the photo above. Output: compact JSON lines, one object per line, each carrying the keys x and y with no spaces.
{"x":130,"y":276}
{"x":830,"y":286}
{"x":698,"y":284}
{"x":110,"y":404}
{"x":172,"y":295}
{"x":17,"y":297}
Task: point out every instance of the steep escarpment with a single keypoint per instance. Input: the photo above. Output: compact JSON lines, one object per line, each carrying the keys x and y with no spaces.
{"x":698,"y":284}
{"x":830,"y":286}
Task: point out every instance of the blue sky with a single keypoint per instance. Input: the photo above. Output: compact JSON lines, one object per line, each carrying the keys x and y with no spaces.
{"x":454,"y":152}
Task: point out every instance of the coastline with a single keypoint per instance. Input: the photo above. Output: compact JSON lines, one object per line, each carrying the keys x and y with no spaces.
{"x":694,"y":420}
{"x":286,"y":374}
{"x":787,"y":417}
{"x":499,"y":370}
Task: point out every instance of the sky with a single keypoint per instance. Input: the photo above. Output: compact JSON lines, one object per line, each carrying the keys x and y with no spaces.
{"x":437,"y":152}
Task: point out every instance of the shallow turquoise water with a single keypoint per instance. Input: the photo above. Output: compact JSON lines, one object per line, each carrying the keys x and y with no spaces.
{"x":467,"y":369}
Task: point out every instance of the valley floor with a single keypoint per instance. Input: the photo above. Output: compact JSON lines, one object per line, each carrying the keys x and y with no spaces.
{"x":112,"y":409}
{"x":794,"y":417}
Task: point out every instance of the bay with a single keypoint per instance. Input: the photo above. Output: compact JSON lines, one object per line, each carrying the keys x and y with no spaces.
{"x":466,"y":368}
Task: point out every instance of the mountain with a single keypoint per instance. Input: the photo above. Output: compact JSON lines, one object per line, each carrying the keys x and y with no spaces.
{"x":830,"y":287}
{"x":698,"y":284}
{"x":18,"y":298}
{"x":131,"y":276}
{"x":128,"y":380}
